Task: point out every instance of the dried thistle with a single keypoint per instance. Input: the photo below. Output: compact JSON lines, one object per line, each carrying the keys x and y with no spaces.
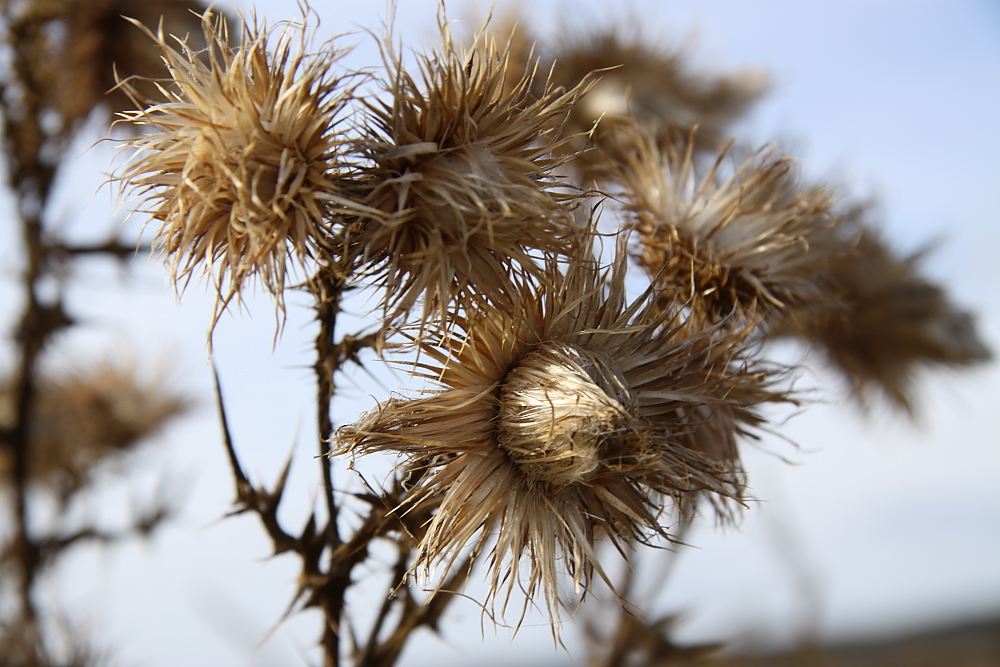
{"x":459,"y":164}
{"x":241,"y":164}
{"x":94,"y":41}
{"x":885,"y":319}
{"x":643,"y":82}
{"x":747,"y":243}
{"x":82,"y":417}
{"x":563,"y":414}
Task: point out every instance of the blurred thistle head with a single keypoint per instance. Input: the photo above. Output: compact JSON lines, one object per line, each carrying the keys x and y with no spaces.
{"x":88,"y":41}
{"x":745,"y":243}
{"x":241,"y":163}
{"x":640,"y":80}
{"x":85,"y":416}
{"x":563,"y":414}
{"x":884,"y":320}
{"x":460,"y":167}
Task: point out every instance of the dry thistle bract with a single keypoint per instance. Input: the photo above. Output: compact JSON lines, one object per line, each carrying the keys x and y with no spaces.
{"x":241,"y":163}
{"x":563,"y":414}
{"x":458,"y":161}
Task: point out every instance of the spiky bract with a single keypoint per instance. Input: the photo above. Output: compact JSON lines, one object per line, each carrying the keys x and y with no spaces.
{"x":885,"y":320}
{"x":563,"y":414}
{"x":460,"y":165}
{"x":241,"y":163}
{"x":745,"y":243}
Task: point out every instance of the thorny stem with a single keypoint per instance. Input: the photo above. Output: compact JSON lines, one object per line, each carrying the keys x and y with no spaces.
{"x":399,"y":573}
{"x":327,"y":587}
{"x":328,"y":287}
{"x":414,"y":616}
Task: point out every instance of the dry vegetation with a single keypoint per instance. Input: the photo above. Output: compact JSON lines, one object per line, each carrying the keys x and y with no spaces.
{"x":559,"y":414}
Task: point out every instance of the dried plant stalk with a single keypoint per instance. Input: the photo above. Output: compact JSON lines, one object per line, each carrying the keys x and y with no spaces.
{"x":562,"y":413}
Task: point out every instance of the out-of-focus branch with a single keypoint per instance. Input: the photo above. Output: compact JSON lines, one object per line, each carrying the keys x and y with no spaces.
{"x":34,"y":150}
{"x":115,"y":248}
{"x":31,"y":177}
{"x":51,"y":548}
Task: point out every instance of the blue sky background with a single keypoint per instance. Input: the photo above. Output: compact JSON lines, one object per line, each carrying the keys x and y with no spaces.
{"x":880,"y":525}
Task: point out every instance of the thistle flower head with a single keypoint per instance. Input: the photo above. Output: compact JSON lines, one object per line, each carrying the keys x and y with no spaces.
{"x":240,"y":164}
{"x":751,"y":241}
{"x":884,"y":319}
{"x":459,"y":165}
{"x":639,"y":80}
{"x":563,"y":413}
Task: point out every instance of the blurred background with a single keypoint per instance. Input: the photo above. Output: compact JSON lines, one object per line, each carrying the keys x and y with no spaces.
{"x":865,"y":523}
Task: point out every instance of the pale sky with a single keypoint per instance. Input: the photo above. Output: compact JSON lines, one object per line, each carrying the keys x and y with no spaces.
{"x":879,"y":524}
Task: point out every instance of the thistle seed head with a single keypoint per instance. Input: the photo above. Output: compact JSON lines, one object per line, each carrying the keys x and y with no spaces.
{"x":460,"y":167}
{"x":747,"y":243}
{"x":564,"y":413}
{"x":85,"y":416}
{"x":638,"y":80}
{"x":884,"y":320}
{"x":241,"y":164}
